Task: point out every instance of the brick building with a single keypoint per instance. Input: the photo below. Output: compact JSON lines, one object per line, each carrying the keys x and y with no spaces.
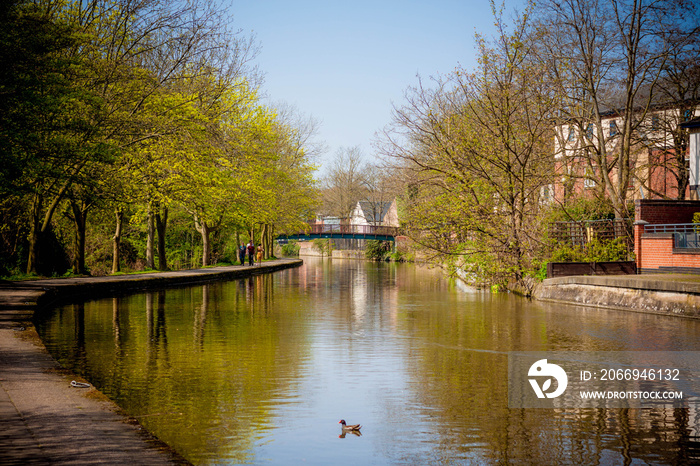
{"x":655,"y":169}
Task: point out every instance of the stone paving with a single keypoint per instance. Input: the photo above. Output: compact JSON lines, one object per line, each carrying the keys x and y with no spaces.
{"x":43,"y":419}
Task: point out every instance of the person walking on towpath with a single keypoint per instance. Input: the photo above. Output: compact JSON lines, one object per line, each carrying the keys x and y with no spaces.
{"x":241,"y":253}
{"x":260,"y":254}
{"x":251,"y":252}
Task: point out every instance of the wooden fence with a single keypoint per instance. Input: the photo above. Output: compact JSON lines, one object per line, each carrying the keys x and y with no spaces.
{"x":567,"y":269}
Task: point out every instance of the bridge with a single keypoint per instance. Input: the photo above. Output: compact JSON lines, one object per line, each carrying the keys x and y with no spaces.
{"x":376,"y":232}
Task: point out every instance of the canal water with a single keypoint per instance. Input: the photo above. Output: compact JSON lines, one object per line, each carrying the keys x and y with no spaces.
{"x":260,"y":370}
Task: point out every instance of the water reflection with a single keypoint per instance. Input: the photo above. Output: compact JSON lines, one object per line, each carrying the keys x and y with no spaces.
{"x":259,"y":370}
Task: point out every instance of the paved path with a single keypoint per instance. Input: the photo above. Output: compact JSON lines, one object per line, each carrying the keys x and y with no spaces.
{"x":43,"y":420}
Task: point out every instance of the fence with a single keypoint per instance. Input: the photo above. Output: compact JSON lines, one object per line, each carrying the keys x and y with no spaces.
{"x":685,"y":235}
{"x":581,"y":233}
{"x":346,"y":229}
{"x":566,"y":269}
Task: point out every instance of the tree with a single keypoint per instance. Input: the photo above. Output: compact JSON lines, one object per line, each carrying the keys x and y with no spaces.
{"x":476,"y":157}
{"x":47,"y":116}
{"x":345,"y":183}
{"x":295,"y":199}
{"x":607,"y":58}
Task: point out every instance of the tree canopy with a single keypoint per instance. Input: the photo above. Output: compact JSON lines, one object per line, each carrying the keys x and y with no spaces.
{"x":147,"y":109}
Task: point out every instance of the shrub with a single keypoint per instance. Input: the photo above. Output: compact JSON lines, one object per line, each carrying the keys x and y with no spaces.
{"x":377,"y":250}
{"x":290,"y":249}
{"x":607,"y":251}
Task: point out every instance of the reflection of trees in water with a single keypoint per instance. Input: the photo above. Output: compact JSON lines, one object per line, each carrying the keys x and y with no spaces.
{"x":204,"y":367}
{"x":197,"y":366}
{"x":459,"y":368}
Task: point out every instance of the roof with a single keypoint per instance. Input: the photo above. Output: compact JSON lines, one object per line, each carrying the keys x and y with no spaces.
{"x":370,"y":209}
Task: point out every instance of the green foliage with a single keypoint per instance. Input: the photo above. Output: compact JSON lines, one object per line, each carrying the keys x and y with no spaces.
{"x":290,"y":249}
{"x":399,"y":256}
{"x":581,"y":209}
{"x":91,"y":117}
{"x":377,"y":250}
{"x":595,"y":251}
{"x":567,"y":253}
{"x":607,"y":251}
{"x":324,"y":246}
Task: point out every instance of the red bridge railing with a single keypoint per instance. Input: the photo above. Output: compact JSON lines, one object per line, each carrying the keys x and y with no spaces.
{"x":317,"y":228}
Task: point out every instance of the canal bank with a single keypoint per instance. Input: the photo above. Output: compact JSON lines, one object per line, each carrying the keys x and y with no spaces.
{"x":43,"y":419}
{"x":664,"y":294}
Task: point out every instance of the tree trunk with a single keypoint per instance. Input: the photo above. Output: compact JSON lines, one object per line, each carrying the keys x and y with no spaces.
{"x":34,"y":236}
{"x":161,"y":218}
{"x":204,"y":231}
{"x":39,"y":226}
{"x":263,"y":234}
{"x":80,"y":211}
{"x":150,"y":262}
{"x":116,"y":240}
{"x":269,"y":242}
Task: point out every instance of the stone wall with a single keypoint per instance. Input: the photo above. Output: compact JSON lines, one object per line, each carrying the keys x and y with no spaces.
{"x":628,"y":298}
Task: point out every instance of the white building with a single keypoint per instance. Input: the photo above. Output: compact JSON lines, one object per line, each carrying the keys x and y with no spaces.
{"x":375,"y":213}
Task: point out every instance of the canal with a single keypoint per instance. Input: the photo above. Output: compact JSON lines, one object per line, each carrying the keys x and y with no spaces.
{"x":260,"y":370}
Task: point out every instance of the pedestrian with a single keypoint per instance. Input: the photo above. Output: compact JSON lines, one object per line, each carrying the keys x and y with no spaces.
{"x":251,"y":252}
{"x":241,"y":253}
{"x":260,"y":254}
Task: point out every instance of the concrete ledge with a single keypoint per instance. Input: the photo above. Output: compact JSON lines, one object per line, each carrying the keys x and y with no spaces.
{"x":666,"y":294}
{"x":678,"y":283}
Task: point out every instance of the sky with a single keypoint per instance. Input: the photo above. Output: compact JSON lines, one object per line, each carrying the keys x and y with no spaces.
{"x":346,"y":62}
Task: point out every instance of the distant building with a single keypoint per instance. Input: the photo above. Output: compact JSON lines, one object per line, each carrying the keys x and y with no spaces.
{"x":652,"y":161}
{"x":327,"y":220}
{"x":693,"y":126}
{"x":375,"y":213}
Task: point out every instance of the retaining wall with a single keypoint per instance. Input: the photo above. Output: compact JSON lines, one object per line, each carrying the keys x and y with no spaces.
{"x":650,"y":296}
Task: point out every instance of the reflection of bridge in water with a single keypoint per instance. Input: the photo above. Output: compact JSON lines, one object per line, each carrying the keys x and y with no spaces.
{"x":377,"y":232}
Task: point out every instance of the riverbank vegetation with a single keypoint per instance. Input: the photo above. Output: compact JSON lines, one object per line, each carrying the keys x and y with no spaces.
{"x":133,"y":136}
{"x":475,"y":149}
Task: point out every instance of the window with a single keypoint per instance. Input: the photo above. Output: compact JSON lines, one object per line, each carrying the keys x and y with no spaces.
{"x":589,"y":131}
{"x":613,"y":128}
{"x":655,"y":122}
{"x":589,"y":181}
{"x":688,"y":114}
{"x":572,"y":134}
{"x":546,"y":194}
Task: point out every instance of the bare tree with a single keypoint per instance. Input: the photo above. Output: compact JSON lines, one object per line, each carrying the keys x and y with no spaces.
{"x":345,"y":183}
{"x":605,"y":57}
{"x":381,"y":190}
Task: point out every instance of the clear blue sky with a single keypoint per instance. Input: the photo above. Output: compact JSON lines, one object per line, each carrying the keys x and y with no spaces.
{"x":344,"y":63}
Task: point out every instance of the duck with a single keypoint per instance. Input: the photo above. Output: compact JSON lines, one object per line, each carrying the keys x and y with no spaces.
{"x":350,"y":428}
